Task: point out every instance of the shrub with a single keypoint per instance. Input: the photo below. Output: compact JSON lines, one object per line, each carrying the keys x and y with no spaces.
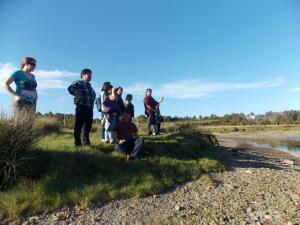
{"x":16,"y":137}
{"x":46,"y":125}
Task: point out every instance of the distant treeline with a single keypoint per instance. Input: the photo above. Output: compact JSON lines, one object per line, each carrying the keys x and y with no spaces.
{"x":234,"y":119}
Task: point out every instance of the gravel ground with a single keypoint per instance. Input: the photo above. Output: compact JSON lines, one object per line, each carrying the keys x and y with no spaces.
{"x":255,"y":189}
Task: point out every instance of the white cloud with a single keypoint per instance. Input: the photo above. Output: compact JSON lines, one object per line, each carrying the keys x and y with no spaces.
{"x":46,"y":79}
{"x":187,"y":89}
{"x":137,"y":88}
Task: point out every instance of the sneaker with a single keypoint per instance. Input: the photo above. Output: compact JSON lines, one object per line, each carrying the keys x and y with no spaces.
{"x":128,"y":157}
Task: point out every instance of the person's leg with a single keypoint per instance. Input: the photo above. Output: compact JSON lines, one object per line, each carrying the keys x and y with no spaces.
{"x":158,"y":128}
{"x":149,"y":124}
{"x":112,"y":121}
{"x":138,"y":148}
{"x":102,"y":129}
{"x":154,"y":129}
{"x":88,"y":121}
{"x":121,"y":148}
{"x":78,"y":125}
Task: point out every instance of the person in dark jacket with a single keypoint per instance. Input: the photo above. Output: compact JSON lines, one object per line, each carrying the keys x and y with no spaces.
{"x":120,"y":101}
{"x":84,"y":98}
{"x":129,"y":107}
{"x":128,"y":139}
{"x":151,"y":106}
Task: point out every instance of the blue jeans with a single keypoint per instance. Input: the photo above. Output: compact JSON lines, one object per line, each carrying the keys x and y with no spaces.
{"x":102,"y":129}
{"x":108,"y":131}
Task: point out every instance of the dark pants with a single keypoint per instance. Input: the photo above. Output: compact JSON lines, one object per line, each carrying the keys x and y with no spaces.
{"x":83,"y":124}
{"x":131,"y":147}
{"x":158,"y":128}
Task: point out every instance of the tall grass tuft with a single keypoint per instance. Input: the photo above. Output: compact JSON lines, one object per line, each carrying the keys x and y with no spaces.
{"x":16,"y":137}
{"x":46,"y":125}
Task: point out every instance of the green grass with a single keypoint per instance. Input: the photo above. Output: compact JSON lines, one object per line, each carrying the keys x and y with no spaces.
{"x":251,"y":128}
{"x":60,"y":175}
{"x":197,"y":125}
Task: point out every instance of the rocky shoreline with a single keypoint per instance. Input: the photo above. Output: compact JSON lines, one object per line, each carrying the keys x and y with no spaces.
{"x":257,"y":188}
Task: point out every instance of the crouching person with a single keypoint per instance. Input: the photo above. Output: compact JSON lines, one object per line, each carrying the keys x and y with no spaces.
{"x":127,"y":134}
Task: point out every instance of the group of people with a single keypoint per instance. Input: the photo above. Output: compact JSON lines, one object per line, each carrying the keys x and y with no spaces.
{"x":116,"y":115}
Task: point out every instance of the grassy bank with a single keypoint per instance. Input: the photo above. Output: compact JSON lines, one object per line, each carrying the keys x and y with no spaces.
{"x":59,"y":175}
{"x":251,"y":128}
{"x":196,"y":125}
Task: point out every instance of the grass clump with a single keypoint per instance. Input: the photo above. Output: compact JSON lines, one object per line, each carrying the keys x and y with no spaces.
{"x":61,"y":175}
{"x":46,"y":126}
{"x":16,"y":138}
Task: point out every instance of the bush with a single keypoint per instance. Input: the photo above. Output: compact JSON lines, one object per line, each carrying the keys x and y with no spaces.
{"x":46,"y":125}
{"x":16,"y":137}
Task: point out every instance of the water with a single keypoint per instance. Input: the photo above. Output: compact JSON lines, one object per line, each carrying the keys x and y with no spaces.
{"x":286,"y":143}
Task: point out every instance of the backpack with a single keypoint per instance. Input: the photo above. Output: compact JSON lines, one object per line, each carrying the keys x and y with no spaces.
{"x":98,"y":104}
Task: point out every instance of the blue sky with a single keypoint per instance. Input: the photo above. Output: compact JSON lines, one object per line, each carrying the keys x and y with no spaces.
{"x":203,"y":56}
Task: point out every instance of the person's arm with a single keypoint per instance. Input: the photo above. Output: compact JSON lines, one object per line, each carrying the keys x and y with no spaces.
{"x":73,"y":90}
{"x":7,"y":86}
{"x":115,"y":130}
{"x":160,"y":101}
{"x":132,"y":110}
{"x":135,"y":131}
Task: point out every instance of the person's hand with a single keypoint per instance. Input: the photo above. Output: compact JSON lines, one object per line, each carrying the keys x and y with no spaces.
{"x":17,"y":97}
{"x":121,"y":141}
{"x":76,"y":98}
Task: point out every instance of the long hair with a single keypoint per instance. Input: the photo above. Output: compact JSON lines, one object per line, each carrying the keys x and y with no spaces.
{"x":27,"y":60}
{"x":106,"y":86}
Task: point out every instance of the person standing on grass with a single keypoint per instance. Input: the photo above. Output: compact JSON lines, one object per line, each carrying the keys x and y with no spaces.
{"x":84,"y":98}
{"x":129,"y":107}
{"x":25,"y":95}
{"x":128,"y":139}
{"x":151,"y":106}
{"x":111,"y":109}
{"x":120,"y":101}
{"x":104,"y":94}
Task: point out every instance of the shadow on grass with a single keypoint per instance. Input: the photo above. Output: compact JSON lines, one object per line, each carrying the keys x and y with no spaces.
{"x":97,"y":173}
{"x":167,"y":160}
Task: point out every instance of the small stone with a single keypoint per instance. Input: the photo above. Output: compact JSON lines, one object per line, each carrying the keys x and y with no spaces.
{"x":289,"y":162}
{"x":177,"y":207}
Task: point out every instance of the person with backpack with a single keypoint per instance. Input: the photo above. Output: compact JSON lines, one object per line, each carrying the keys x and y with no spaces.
{"x":151,"y":106}
{"x":84,"y":98}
